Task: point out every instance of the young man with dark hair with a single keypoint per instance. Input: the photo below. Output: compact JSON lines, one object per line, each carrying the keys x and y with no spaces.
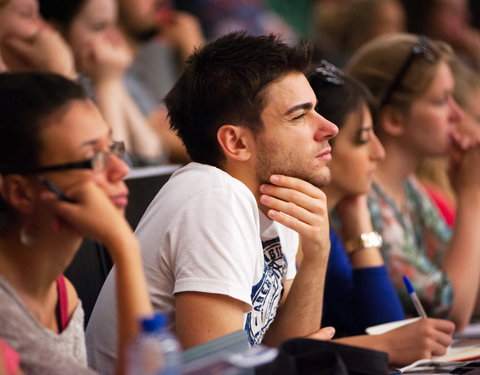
{"x":220,"y":239}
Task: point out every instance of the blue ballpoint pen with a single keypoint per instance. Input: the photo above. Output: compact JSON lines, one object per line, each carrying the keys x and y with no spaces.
{"x":414,"y":298}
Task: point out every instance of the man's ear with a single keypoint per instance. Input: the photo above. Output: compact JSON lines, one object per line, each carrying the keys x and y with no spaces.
{"x":392,"y":121}
{"x":18,"y":192}
{"x":236,"y":142}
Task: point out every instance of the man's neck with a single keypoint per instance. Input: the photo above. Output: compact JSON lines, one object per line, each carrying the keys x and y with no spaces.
{"x":248,"y":178}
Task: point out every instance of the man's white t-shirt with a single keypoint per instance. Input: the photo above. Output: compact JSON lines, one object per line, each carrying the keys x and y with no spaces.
{"x":203,"y":232}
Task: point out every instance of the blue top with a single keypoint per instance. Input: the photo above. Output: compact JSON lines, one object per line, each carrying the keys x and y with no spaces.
{"x":356,"y":298}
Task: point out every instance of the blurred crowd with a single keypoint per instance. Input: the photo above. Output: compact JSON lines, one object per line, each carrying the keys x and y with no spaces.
{"x":132,"y":52}
{"x":121,"y":84}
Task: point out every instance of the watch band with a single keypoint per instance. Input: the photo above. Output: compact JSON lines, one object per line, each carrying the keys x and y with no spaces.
{"x":364,"y":241}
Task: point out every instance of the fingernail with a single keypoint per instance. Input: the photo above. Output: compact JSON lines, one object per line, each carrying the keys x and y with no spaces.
{"x":330,"y":331}
{"x":274,"y":178}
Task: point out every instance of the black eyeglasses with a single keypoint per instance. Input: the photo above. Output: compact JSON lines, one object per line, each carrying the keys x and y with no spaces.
{"x":98,"y":162}
{"x":421,"y":49}
{"x":329,"y":73}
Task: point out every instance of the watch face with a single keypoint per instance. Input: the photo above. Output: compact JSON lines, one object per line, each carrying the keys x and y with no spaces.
{"x":372,"y":239}
{"x":364,"y":241}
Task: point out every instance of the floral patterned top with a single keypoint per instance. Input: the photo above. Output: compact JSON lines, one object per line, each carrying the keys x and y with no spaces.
{"x":415,"y":240}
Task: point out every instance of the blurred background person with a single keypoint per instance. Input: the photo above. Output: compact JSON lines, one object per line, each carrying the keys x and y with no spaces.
{"x":343,"y":26}
{"x":435,"y":172}
{"x":467,"y":95}
{"x":160,"y":38}
{"x":27,"y":43}
{"x":102,"y":55}
{"x":412,"y":83}
{"x":220,"y":17}
{"x":447,"y":20}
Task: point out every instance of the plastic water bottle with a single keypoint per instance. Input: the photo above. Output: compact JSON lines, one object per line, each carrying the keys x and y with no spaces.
{"x":156,"y":351}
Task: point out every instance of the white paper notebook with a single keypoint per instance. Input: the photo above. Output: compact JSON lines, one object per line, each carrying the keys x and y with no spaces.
{"x":462,"y":349}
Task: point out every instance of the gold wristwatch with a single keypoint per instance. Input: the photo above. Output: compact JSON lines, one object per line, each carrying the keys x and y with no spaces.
{"x":364,"y":241}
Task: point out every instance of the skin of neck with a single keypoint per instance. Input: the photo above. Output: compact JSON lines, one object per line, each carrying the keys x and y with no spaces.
{"x":398,"y":165}
{"x":43,"y":261}
{"x":244,"y":172}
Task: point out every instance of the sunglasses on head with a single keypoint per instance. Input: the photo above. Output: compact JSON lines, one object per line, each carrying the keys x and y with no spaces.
{"x":329,"y":73}
{"x":420,"y":49}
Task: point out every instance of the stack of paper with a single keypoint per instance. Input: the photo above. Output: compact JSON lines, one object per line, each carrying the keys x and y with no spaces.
{"x":462,"y":350}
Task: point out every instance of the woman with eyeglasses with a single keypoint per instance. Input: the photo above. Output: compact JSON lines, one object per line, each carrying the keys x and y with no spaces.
{"x":62,"y":179}
{"x":358,"y":290}
{"x":411,"y":81}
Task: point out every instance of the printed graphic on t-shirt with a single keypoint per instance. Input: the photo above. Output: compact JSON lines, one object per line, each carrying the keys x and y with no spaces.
{"x":266,"y":295}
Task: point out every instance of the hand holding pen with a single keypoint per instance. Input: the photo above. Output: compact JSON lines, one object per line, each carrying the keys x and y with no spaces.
{"x":416,"y":302}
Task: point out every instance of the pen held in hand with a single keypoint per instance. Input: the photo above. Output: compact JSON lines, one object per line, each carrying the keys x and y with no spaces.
{"x":413,"y":296}
{"x":56,"y":190}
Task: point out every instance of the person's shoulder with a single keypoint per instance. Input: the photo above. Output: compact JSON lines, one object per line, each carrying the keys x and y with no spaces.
{"x":7,"y":293}
{"x":72,"y":297}
{"x":413,"y":183}
{"x":153,"y":49}
{"x":195,"y":168}
{"x":198,"y":188}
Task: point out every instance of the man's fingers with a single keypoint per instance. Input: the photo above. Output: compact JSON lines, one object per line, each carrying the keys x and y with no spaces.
{"x":307,"y":200}
{"x":295,"y":184}
{"x":325,"y":333}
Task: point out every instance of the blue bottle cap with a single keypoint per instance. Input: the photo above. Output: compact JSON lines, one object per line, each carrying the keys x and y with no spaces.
{"x":154,"y":323}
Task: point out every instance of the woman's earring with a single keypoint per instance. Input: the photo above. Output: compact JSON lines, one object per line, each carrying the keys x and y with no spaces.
{"x":28,"y":234}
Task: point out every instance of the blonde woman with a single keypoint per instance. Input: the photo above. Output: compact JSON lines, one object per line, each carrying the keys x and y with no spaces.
{"x":413,"y":85}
